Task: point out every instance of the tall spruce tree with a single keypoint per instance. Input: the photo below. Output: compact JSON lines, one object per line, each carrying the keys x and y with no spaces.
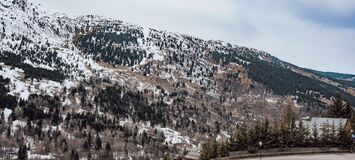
{"x":302,"y":135}
{"x":337,"y":107}
{"x":315,"y":136}
{"x":347,"y":111}
{"x":209,"y":149}
{"x":333,"y":135}
{"x":288,"y":113}
{"x":325,"y":136}
{"x":88,"y":142}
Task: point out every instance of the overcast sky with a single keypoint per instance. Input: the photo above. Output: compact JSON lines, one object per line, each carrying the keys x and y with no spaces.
{"x":317,"y":34}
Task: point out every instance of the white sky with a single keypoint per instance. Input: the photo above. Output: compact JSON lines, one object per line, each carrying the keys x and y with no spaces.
{"x":317,"y":34}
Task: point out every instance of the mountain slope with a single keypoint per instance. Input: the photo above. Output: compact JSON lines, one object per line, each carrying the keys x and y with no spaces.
{"x":117,"y":43}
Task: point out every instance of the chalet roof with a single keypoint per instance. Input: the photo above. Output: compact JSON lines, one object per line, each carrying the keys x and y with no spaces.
{"x":320,"y":122}
{"x":323,"y":123}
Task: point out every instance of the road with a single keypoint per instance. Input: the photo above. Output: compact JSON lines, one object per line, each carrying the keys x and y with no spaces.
{"x":340,"y":156}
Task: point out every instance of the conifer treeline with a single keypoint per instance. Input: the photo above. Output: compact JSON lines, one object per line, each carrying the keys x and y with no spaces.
{"x":289,"y":134}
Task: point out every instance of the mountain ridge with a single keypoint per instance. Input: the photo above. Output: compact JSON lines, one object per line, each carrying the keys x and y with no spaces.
{"x":65,"y":27}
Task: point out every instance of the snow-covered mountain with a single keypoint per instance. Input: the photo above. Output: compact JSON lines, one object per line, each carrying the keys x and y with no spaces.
{"x":141,"y":78}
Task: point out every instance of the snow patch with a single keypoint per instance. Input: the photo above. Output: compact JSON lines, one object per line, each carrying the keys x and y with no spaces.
{"x":39,"y":156}
{"x":271,"y":100}
{"x":7,"y":113}
{"x":38,"y":65}
{"x":17,"y":124}
{"x":17,"y":87}
{"x":174,"y":137}
{"x":222,"y":136}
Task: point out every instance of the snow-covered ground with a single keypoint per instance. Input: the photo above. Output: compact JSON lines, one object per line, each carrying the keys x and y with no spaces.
{"x":174,"y":137}
{"x":23,"y":88}
{"x":16,"y":124}
{"x":171,"y":136}
{"x":271,"y":100}
{"x":222,"y":136}
{"x":17,"y":86}
{"x":7,"y":113}
{"x":39,"y":156}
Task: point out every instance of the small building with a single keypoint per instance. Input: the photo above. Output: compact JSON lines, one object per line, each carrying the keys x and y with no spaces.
{"x":322,"y":123}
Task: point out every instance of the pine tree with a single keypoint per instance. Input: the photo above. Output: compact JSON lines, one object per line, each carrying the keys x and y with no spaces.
{"x":72,"y":154}
{"x":107,"y":154}
{"x":185,"y":151}
{"x":209,"y":149}
{"x":206,"y":152}
{"x":343,"y":136}
{"x":167,"y":156}
{"x":301,"y":135}
{"x":266,"y":130}
{"x":8,"y":133}
{"x":222,"y":149}
{"x":76,"y":156}
{"x":22,"y":152}
{"x":284,"y":135}
{"x":276,"y":134}
{"x":325,"y":136}
{"x":293,"y":132}
{"x":56,"y":117}
{"x":88,"y":142}
{"x":68,"y":117}
{"x":29,"y":146}
{"x":239,"y":140}
{"x":108,"y":147}
{"x":288,"y":113}
{"x":144,"y":138}
{"x":98,"y":142}
{"x":337,"y":107}
{"x":89,"y":156}
{"x":2,"y":118}
{"x":315,"y":135}
{"x":347,"y":112}
{"x":64,"y":145}
{"x":333,"y":135}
